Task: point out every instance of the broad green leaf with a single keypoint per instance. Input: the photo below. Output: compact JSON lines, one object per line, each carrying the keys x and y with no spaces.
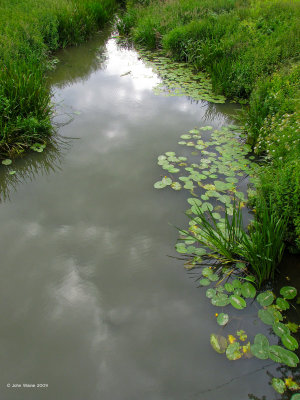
{"x":167,"y":181}
{"x":180,"y":248}
{"x":288,"y":292}
{"x":237,"y":302}
{"x":260,"y":348}
{"x":194,"y":202}
{"x":292,"y":326}
{"x":222,"y":319}
{"x":248,"y":290}
{"x":176,"y":186}
{"x":213,"y":277}
{"x":207,"y":271}
{"x":289,"y":342}
{"x":6,"y":162}
{"x":265,"y":298}
{"x":296,"y":396}
{"x":281,"y":355}
{"x":233,"y":351}
{"x":210,"y":293}
{"x":218,"y":343}
{"x":278,"y":385}
{"x":236,"y":283}
{"x":220,"y":300}
{"x":229,"y":287}
{"x":159,"y":185}
{"x":204,"y":282}
{"x":280,"y":329}
{"x":292,"y":385}
{"x":242,"y":335}
{"x":12,"y":172}
{"x":282,"y":304}
{"x":269,"y":315}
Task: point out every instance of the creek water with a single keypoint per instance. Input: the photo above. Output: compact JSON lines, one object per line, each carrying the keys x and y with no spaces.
{"x":90,"y":303}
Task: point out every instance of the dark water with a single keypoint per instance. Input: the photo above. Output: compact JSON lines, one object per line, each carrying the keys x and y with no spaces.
{"x":90,"y":304}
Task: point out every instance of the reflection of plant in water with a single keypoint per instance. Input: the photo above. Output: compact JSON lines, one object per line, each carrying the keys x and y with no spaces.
{"x":232,"y":259}
{"x":32,"y":165}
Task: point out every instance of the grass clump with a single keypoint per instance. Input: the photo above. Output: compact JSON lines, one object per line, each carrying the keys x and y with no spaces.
{"x":29,"y":32}
{"x":260,"y":249}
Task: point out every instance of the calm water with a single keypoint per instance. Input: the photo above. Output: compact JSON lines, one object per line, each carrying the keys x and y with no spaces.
{"x":90,"y":302}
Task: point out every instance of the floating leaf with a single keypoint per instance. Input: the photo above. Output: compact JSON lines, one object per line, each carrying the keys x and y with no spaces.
{"x":292,"y":326}
{"x":207,"y":271}
{"x":281,"y":355}
{"x":288,"y":292}
{"x":167,"y":181}
{"x":269,"y":316}
{"x":282,"y":304}
{"x":233,"y":351}
{"x":194,"y":202}
{"x":292,"y":385}
{"x":229,"y":287}
{"x":280,"y":329}
{"x":210,"y":293}
{"x":236,"y":284}
{"x":222,"y":319}
{"x":176,"y":186}
{"x":237,"y":302}
{"x":260,"y":348}
{"x":213,"y":277}
{"x":6,"y":162}
{"x":242,"y":335}
{"x":159,"y":185}
{"x":204,"y":282}
{"x":295,"y":397}
{"x":265,"y":298}
{"x":220,"y":300}
{"x":12,"y":172}
{"x":289,"y":342}
{"x":278,"y":385}
{"x":218,"y":343}
{"x":248,"y":290}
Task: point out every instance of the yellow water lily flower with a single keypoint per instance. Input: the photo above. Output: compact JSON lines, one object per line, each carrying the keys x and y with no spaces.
{"x":231,"y":339}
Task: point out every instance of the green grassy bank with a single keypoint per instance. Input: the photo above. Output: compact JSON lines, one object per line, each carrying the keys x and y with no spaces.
{"x":251,"y":51}
{"x":29,"y":31}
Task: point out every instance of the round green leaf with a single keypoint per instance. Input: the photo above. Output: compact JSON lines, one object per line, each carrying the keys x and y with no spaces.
{"x":207,"y":271}
{"x":220,"y":300}
{"x":289,"y":342}
{"x":237,"y":302}
{"x":281,"y":355}
{"x":229,"y":287}
{"x":218,"y":343}
{"x":265,"y":298}
{"x":248,"y":290}
{"x":288,"y":292}
{"x":236,"y":283}
{"x":159,"y":185}
{"x":233,"y":351}
{"x":210,"y":293}
{"x":278,"y":385}
{"x":269,"y":315}
{"x":280,"y":329}
{"x":222,"y":319}
{"x":260,"y":348}
{"x":213,"y":277}
{"x":204,"y":282}
{"x":295,"y":396}
{"x":282,"y":304}
{"x":6,"y":162}
{"x":176,"y":186}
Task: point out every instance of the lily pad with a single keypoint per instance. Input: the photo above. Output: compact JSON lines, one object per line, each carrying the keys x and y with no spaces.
{"x":233,"y":351}
{"x":204,"y":282}
{"x":289,"y":342}
{"x":210,"y":293}
{"x":260,"y":348}
{"x":222,"y":319}
{"x":288,"y":292}
{"x":269,"y":315}
{"x":282,"y":304}
{"x":220,"y":300}
{"x":7,"y":162}
{"x":248,"y":290}
{"x":218,"y":343}
{"x":265,"y":298}
{"x":283,"y":356}
{"x":278,"y":385}
{"x":280,"y":329}
{"x":237,"y":302}
{"x":176,"y":186}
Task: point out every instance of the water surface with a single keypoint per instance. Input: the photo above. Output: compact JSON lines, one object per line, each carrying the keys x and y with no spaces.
{"x":90,"y":302}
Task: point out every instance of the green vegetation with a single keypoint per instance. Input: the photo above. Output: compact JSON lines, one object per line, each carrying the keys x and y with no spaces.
{"x":29,"y":31}
{"x":250,"y":49}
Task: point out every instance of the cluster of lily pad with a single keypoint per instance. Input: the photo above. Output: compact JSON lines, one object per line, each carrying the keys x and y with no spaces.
{"x":179,"y":79}
{"x":218,"y":162}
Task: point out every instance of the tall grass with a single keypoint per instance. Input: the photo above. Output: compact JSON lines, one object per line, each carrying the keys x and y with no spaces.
{"x":29,"y":31}
{"x":261,"y":248}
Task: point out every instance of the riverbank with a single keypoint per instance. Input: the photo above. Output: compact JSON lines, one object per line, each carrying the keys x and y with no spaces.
{"x":250,"y":50}
{"x":30,"y":32}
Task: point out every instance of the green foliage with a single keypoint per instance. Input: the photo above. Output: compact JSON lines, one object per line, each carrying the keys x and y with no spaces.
{"x":27,"y":34}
